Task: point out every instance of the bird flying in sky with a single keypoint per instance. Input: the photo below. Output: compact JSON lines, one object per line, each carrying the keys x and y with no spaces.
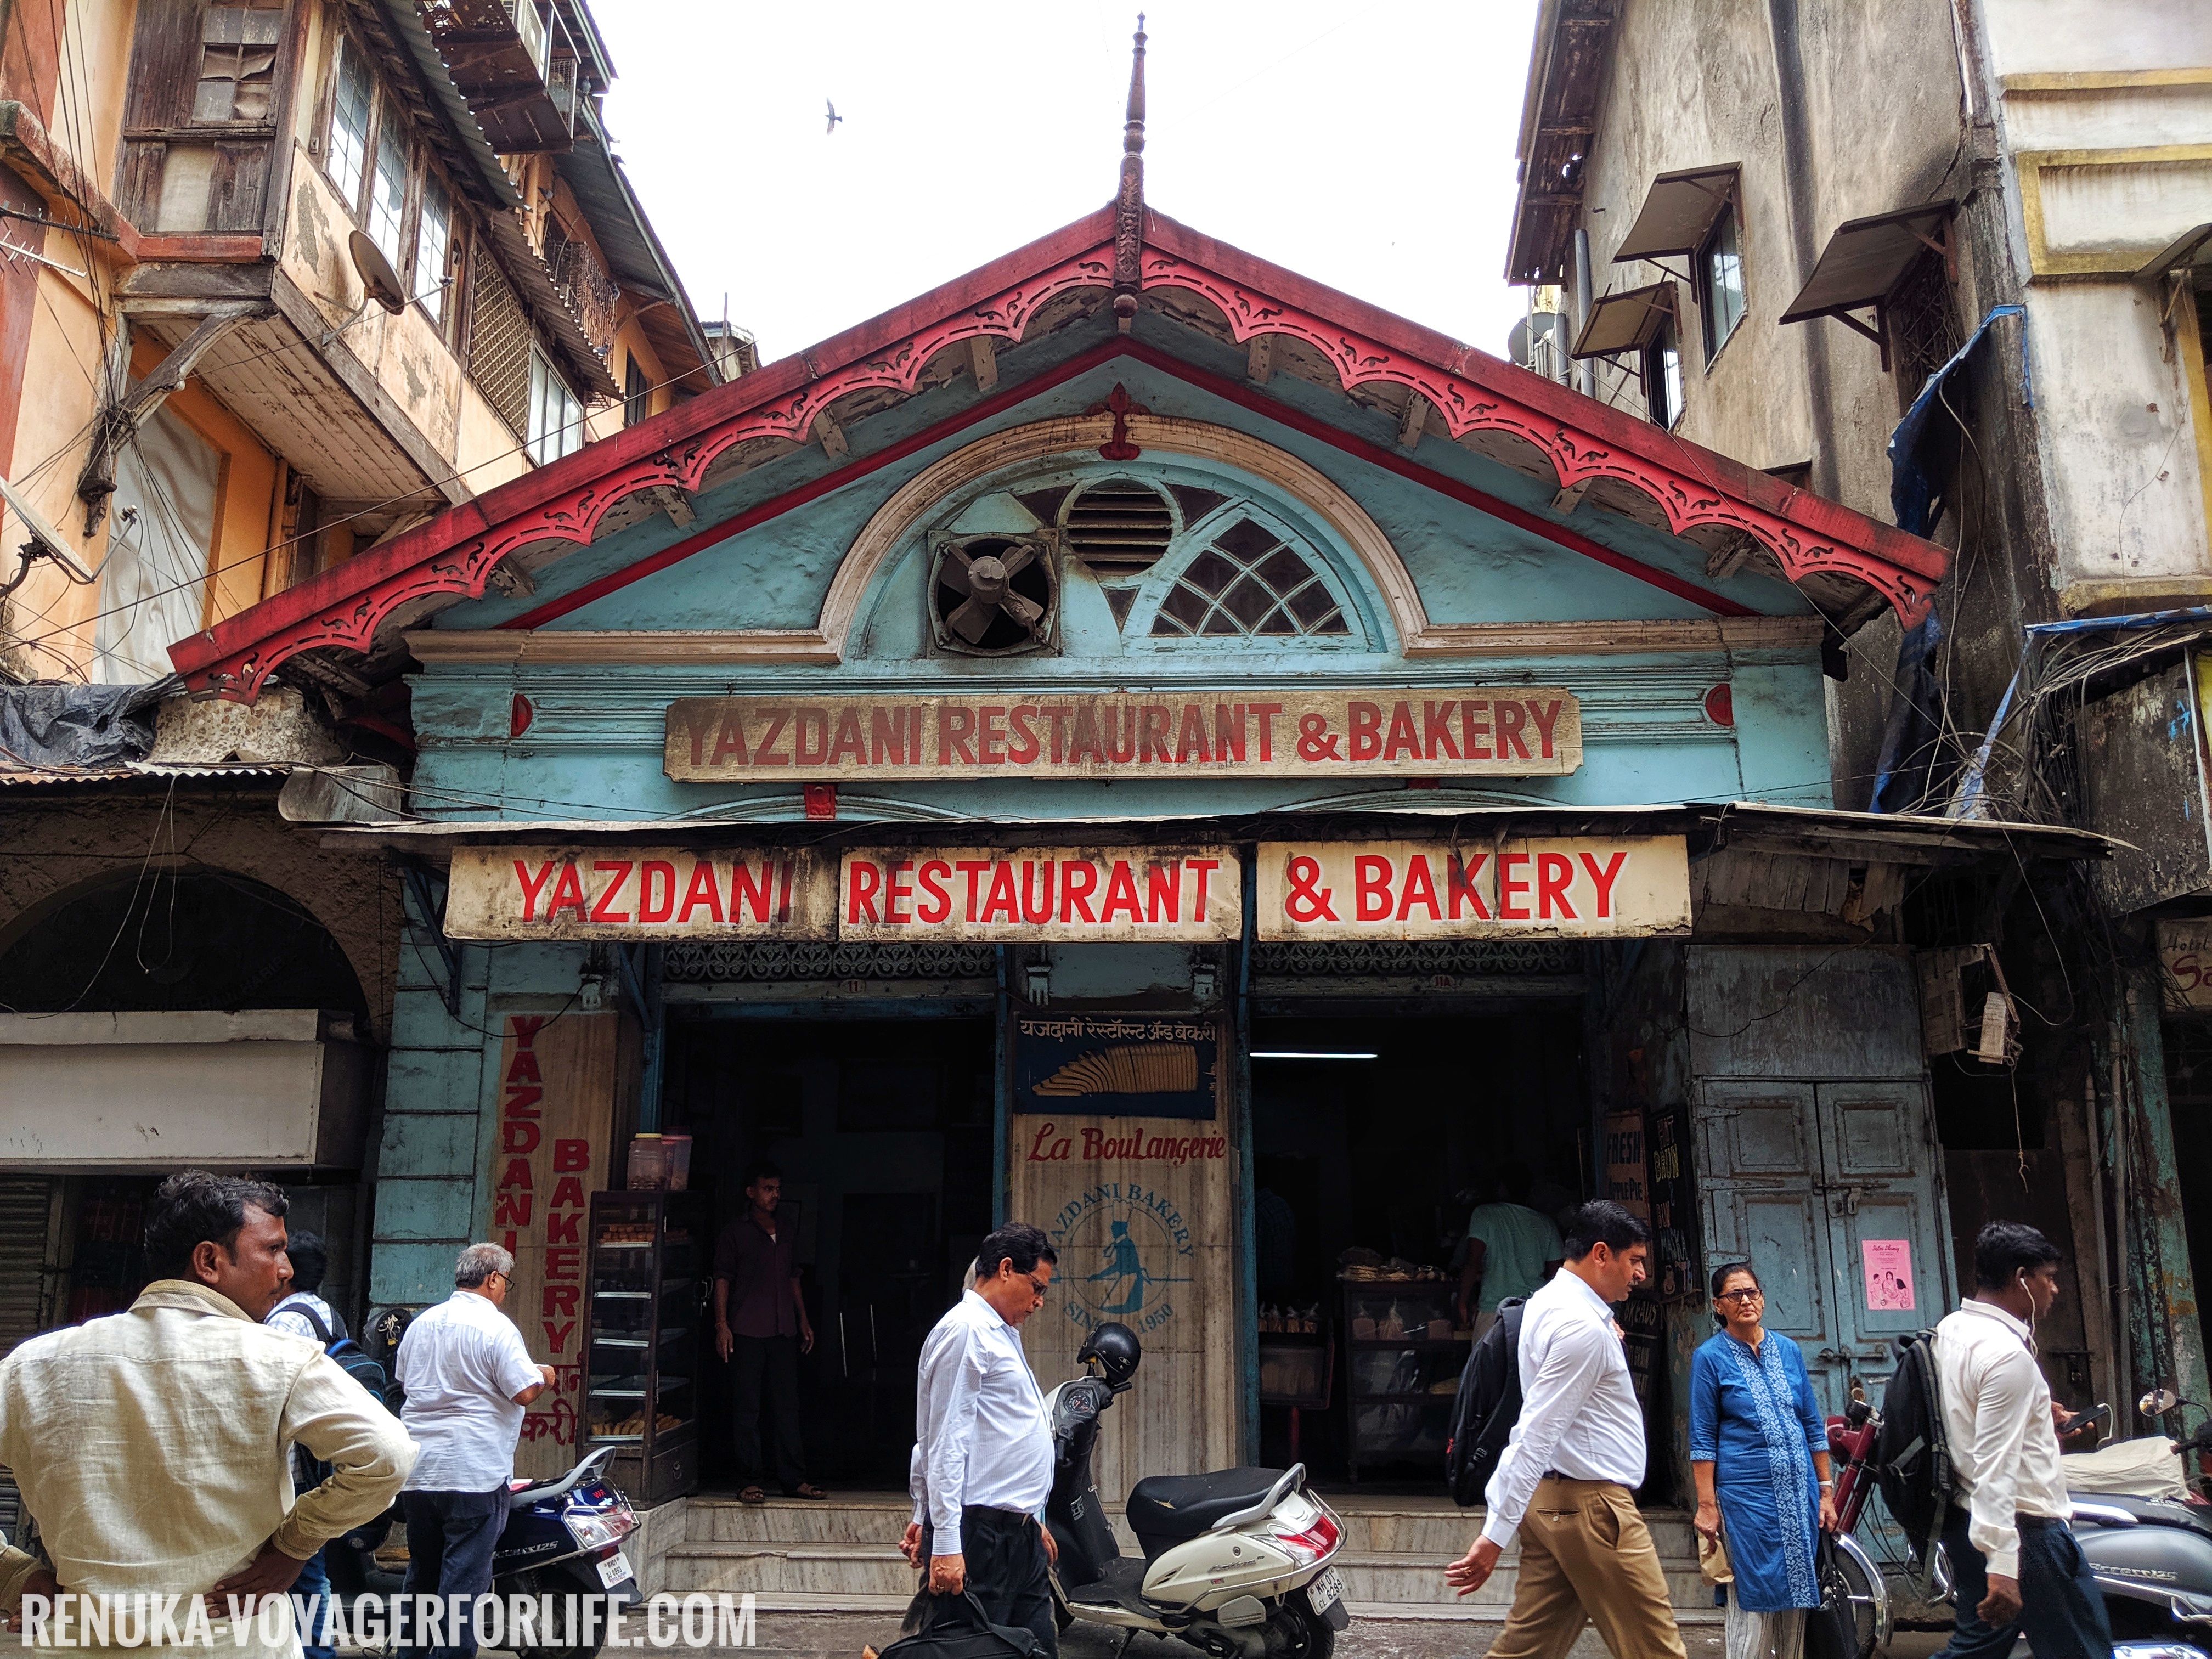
{"x":833,"y":117}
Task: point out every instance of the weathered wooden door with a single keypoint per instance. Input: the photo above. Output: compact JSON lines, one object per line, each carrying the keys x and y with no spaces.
{"x":1762,"y":1201}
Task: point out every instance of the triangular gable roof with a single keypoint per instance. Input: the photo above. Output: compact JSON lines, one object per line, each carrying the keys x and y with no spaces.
{"x":361,"y":605}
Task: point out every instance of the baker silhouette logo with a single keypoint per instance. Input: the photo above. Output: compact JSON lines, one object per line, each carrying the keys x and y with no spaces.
{"x":1124,"y":1248}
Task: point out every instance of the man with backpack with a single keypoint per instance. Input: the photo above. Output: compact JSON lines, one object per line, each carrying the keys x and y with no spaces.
{"x":304,"y":1313}
{"x":2014,"y":1564}
{"x":1567,"y":1481}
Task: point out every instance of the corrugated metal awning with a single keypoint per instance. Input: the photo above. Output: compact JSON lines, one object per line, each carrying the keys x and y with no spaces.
{"x":1626,"y":322}
{"x":1866,"y":259}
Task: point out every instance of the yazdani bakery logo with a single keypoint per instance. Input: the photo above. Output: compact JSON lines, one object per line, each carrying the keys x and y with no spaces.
{"x":1123,"y":1250}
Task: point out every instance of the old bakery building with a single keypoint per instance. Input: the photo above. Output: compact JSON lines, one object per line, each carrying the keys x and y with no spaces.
{"x":1138,"y":741}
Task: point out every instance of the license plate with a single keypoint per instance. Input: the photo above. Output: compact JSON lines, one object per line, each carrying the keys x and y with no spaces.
{"x":1326,"y":1591}
{"x":615,"y":1569}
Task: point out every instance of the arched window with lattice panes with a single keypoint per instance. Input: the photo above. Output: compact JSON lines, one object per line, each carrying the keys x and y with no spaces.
{"x":1249,"y":583}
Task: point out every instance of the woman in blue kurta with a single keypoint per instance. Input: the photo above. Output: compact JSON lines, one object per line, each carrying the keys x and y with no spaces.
{"x":1758,"y":1451}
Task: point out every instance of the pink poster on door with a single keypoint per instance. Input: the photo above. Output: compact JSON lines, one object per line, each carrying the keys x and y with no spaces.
{"x":1888,"y":1263}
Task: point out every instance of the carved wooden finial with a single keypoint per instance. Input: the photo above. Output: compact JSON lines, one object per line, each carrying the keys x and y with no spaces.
{"x":1129,"y":202}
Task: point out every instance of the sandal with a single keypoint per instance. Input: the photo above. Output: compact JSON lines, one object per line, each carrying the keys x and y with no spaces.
{"x":806,"y":1489}
{"x":752,"y":1495}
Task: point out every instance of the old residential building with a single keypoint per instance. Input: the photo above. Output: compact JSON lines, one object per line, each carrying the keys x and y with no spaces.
{"x":278,"y":278}
{"x":1946,"y":263}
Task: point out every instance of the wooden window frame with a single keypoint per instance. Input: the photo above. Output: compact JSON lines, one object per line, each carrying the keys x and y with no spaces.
{"x":1729,"y":219}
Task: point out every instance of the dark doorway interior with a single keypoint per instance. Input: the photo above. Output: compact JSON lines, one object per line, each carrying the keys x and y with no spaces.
{"x":882,"y":1131}
{"x":1389,"y":1154}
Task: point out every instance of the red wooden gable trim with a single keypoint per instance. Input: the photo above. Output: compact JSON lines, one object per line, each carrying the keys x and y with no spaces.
{"x":456,"y":552}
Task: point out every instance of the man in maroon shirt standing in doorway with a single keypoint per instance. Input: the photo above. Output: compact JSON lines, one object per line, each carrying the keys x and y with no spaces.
{"x":760,"y":1321}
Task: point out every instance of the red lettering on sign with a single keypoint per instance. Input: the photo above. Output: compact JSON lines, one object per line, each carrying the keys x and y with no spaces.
{"x":705,"y":889}
{"x":1265,"y":713}
{"x":887,"y":737}
{"x":564,"y":1262}
{"x":571,"y":1155}
{"x":849,"y":738}
{"x":1024,"y":749}
{"x":896,"y":888}
{"x":569,"y":1191}
{"x":1371,"y":877}
{"x":1460,"y":888}
{"x":1121,"y":893}
{"x":523,"y":1027}
{"x":1055,"y":721}
{"x":1548,"y":716}
{"x":650,"y":909}
{"x":556,"y":1336}
{"x":991,"y":729}
{"x":1002,"y":905}
{"x":522,"y":1100}
{"x":1086,"y":741}
{"x":744,"y":890}
{"x":1507,"y":887}
{"x":1162,"y":886}
{"x":560,"y":1227}
{"x":777,"y":720}
{"x":931,"y":876}
{"x":1048,"y":1147}
{"x":524,"y":1068}
{"x":864,"y":881}
{"x":1402,"y":735}
{"x":518,"y":1175}
{"x":1512,"y":718}
{"x":1203,"y":869}
{"x":730,"y":740}
{"x":1420,"y":889}
{"x":559,"y":1301}
{"x":973,"y":869}
{"x":518,"y":1135}
{"x":1435,"y":732}
{"x":804,"y":753}
{"x":511,"y":1210}
{"x":1152,"y":742}
{"x":1555,"y":873}
{"x":1190,"y":737}
{"x":1366,"y":730}
{"x":530,"y":889}
{"x":621,"y":869}
{"x":955,"y":736}
{"x":1474,"y":728}
{"x":567,"y":893}
{"x":1602,"y":879}
{"x":1079,"y":880}
{"x":1036,"y":907}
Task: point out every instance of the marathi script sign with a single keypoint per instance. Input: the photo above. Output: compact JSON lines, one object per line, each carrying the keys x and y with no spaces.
{"x":1584,"y":887}
{"x":1166,"y":895}
{"x":635,"y":892}
{"x":1514,"y":731}
{"x":1093,"y":1063}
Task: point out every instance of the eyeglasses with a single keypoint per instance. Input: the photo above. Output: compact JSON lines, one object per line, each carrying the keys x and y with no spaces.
{"x":1750,"y":1294}
{"x":1040,"y":1285}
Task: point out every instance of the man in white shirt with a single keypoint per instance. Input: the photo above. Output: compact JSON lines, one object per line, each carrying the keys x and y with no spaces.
{"x":983,"y":1452}
{"x":303,"y":1312}
{"x":2015,"y":1564}
{"x":153,"y":1446}
{"x":467,"y":1375}
{"x":1566,"y":1483}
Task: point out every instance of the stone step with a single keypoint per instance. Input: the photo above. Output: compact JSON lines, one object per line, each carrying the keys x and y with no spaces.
{"x":836,"y":1573}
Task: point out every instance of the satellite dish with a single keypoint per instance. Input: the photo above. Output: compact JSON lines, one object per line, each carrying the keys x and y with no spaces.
{"x":377,"y":274}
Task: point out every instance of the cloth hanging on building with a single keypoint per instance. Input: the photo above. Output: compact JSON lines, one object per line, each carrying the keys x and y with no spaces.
{"x":1905,"y":775}
{"x":153,"y":584}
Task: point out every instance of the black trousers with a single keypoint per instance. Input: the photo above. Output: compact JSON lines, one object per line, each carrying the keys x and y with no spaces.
{"x":1005,"y":1557}
{"x":2060,"y":1609}
{"x":450,"y":1539}
{"x":773,"y":1360}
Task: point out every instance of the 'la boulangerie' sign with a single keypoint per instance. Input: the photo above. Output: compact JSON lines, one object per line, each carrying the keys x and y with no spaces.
{"x":1583,"y":887}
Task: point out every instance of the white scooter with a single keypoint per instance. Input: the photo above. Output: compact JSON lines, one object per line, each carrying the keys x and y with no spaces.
{"x":1236,"y":1562}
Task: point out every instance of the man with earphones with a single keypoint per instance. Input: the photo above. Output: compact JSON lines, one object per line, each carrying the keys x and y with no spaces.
{"x":2014,"y":1564}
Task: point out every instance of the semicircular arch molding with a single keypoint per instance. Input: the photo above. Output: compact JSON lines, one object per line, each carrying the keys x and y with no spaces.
{"x":886,"y":532}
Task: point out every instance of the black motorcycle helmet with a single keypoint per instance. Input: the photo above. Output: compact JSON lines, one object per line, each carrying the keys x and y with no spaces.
{"x":1115,"y":1347}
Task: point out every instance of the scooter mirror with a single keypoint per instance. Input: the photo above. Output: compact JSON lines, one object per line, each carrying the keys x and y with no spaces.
{"x":2158,"y":1402}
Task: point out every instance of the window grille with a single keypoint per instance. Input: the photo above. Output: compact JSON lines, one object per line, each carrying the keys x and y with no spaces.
{"x":1924,"y":326}
{"x":499,"y":342}
{"x":1249,"y":585}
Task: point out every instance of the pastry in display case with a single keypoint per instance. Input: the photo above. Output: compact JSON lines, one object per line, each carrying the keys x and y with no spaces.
{"x":648,"y":1257}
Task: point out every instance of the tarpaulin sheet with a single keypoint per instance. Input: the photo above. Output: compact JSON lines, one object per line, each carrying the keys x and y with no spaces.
{"x":65,"y":726}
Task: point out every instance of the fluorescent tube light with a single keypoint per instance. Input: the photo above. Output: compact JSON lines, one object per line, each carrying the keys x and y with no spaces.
{"x":1291,"y":1054}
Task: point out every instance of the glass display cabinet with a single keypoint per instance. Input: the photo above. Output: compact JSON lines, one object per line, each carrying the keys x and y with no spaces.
{"x":1403,"y":1354}
{"x":648,"y":1258}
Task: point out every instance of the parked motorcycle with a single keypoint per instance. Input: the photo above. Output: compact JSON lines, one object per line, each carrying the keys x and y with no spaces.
{"x":563,"y":1537}
{"x":1236,"y":1562}
{"x":2151,"y":1547}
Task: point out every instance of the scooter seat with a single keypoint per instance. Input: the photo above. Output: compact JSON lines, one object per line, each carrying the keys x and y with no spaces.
{"x":1173,"y":1507}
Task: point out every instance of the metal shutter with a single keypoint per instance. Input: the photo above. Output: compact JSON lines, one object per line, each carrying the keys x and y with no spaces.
{"x":26,"y":1210}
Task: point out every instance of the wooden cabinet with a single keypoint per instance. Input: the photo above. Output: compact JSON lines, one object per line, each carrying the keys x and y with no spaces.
{"x":649,"y":1259}
{"x":1403,"y":1355}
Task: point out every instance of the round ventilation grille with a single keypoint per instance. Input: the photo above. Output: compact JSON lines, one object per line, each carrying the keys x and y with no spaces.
{"x":1119,"y":530}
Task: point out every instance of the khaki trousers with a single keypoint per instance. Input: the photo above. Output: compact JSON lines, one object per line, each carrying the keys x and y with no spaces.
{"x":1587,"y":1557}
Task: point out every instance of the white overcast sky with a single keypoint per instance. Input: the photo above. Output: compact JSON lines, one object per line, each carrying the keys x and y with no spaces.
{"x":1365,"y":143}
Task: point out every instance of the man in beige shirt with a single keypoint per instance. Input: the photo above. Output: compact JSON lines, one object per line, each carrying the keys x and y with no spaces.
{"x":153,"y":1446}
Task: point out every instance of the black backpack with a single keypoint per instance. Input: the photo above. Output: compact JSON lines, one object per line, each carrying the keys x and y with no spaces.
{"x":1913,"y":1456}
{"x":352,"y":1359}
{"x":1487,"y":1406}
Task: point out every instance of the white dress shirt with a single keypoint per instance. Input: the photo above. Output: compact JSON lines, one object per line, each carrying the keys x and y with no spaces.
{"x":980,"y":1434}
{"x":1996,"y":1415}
{"x":1579,"y":1414}
{"x":462,"y":1363}
{"x":287,"y":1316}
